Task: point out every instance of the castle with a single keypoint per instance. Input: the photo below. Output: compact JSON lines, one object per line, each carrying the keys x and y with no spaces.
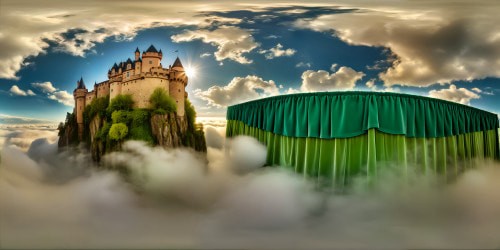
{"x":138,"y":78}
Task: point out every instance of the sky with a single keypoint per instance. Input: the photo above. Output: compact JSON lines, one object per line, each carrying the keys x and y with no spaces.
{"x":247,"y":50}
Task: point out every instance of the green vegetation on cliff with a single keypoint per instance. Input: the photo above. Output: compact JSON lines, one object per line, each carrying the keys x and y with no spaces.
{"x":107,"y":123}
{"x":121,"y":102}
{"x":68,"y":132}
{"x":161,"y":103}
{"x":193,"y":134}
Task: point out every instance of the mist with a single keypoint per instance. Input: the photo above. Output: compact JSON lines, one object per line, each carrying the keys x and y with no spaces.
{"x":149,"y":197}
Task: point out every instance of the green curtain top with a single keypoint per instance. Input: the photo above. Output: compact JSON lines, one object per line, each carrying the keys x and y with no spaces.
{"x":347,"y":114}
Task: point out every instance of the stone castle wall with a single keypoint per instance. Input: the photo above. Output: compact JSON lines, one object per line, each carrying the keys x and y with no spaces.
{"x":138,"y":79}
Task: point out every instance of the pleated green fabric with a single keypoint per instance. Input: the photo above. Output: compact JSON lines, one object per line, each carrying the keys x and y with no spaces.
{"x":338,"y":160}
{"x":330,"y":115}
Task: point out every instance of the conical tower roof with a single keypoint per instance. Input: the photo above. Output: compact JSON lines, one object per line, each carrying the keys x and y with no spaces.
{"x":177,"y":63}
{"x":80,"y":84}
{"x":152,"y":49}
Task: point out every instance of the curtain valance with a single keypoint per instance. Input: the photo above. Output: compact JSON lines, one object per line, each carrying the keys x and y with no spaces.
{"x":330,"y":115}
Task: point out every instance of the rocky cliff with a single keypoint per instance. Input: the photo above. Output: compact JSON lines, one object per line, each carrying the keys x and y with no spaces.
{"x":166,"y":130}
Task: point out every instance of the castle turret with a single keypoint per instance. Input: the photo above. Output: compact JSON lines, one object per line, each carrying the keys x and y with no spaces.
{"x":177,"y":86}
{"x":79,"y":94}
{"x":137,"y":53}
{"x":150,"y":58}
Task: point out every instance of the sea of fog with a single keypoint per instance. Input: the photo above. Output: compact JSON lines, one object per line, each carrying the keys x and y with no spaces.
{"x":181,"y":199}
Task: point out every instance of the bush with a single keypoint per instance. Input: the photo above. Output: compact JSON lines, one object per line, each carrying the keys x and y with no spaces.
{"x":190,"y":113}
{"x":118,"y":131}
{"x":142,"y":133}
{"x":159,"y":111}
{"x":96,"y":107}
{"x":102,"y":133}
{"x":139,"y":116}
{"x":121,"y":102}
{"x":120,"y":116}
{"x":140,"y":128}
{"x":161,"y":100}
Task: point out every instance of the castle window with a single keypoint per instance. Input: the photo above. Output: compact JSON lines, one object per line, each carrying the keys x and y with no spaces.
{"x":128,"y":74}
{"x":150,"y":62}
{"x":179,"y":90}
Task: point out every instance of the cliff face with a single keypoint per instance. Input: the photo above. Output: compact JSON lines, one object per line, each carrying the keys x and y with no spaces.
{"x":171,"y":131}
{"x":97,"y":148}
{"x":168,"y":130}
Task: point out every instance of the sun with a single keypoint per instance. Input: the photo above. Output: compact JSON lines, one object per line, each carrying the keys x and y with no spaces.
{"x":190,"y":71}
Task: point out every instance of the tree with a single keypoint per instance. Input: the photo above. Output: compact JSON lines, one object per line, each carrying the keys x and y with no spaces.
{"x":118,"y":131}
{"x":121,"y":102}
{"x":161,"y":101}
{"x":190,"y":113}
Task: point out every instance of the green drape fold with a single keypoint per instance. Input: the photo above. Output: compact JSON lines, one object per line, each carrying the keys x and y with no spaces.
{"x":338,"y":160}
{"x":348,"y":114}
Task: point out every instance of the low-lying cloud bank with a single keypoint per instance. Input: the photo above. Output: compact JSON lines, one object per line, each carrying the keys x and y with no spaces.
{"x":180,"y":199}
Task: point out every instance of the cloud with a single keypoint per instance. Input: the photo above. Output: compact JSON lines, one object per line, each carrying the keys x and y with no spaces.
{"x":205,"y":55}
{"x":46,"y":87}
{"x":214,"y":137}
{"x":231,"y":42}
{"x":55,"y":94}
{"x":75,"y":28}
{"x":212,"y":202}
{"x":303,"y":64}
{"x":460,"y":95}
{"x":239,"y":89}
{"x":21,"y":134}
{"x":277,"y":51}
{"x":434,"y":43}
{"x":321,"y":80}
{"x":370,"y":83}
{"x":252,"y":87}
{"x":271,"y":37}
{"x":10,"y":119}
{"x":63,"y":97}
{"x":15,"y":90}
{"x":477,"y":90}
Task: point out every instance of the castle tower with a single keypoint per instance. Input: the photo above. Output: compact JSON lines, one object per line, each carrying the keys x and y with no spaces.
{"x":151,"y":59}
{"x":137,"y":53}
{"x":79,"y":94}
{"x":177,"y":86}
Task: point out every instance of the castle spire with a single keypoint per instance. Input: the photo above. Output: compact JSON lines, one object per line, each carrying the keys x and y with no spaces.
{"x":137,"y":54}
{"x":80,"y":84}
{"x":177,"y":63}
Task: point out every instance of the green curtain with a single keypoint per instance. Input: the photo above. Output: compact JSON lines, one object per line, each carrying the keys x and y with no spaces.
{"x":338,"y":160}
{"x":338,"y":135}
{"x":347,"y":114}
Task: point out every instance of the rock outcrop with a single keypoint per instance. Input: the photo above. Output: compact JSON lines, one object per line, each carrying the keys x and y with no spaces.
{"x":168,"y":131}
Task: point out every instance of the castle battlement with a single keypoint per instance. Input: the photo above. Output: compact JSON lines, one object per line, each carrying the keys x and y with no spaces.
{"x":138,"y":78}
